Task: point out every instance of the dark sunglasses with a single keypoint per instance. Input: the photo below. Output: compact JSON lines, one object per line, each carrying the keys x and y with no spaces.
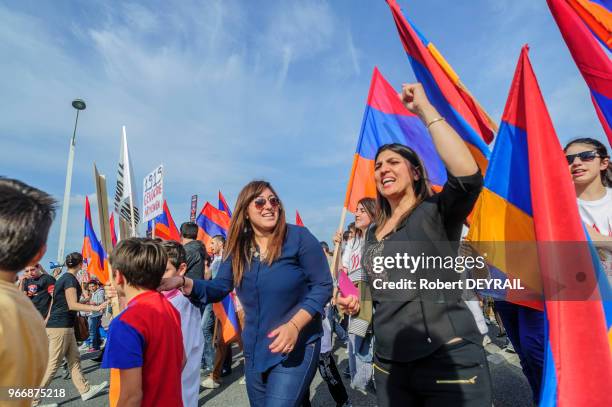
{"x":584,"y":156}
{"x":261,"y":202}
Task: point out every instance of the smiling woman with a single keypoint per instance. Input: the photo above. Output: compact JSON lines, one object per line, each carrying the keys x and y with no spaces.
{"x":427,"y":346}
{"x":282,"y":279}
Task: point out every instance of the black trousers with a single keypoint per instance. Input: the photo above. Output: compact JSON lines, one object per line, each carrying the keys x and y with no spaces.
{"x":454,"y":375}
{"x":329,"y":373}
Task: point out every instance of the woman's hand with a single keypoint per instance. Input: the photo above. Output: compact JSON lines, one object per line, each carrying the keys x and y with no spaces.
{"x":286,"y":336}
{"x":349,"y":305}
{"x":178,"y":282}
{"x":338,"y":238}
{"x":414,"y":98}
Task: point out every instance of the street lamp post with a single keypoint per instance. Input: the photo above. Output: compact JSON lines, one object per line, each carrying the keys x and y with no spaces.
{"x":79,"y":105}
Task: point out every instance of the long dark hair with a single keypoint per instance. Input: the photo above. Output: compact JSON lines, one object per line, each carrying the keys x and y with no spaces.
{"x":369,"y":204}
{"x":606,"y":175}
{"x":240,"y":237}
{"x":421,"y":186}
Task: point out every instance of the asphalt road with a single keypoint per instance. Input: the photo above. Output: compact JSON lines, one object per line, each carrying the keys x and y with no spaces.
{"x":510,"y":388}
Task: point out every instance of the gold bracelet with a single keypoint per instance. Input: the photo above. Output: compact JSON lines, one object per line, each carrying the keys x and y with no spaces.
{"x":437,"y":119}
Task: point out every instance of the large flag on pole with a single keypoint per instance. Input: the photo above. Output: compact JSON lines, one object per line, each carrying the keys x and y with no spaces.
{"x":92,"y":250}
{"x":211,"y":222}
{"x":445,"y":90}
{"x":529,"y":195}
{"x":165,"y":228}
{"x":591,"y":59}
{"x":223,"y":205}
{"x":125,"y":196}
{"x":386,"y":120}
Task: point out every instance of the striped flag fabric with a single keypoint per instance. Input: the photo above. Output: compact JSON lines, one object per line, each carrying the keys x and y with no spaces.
{"x":112,"y":230}
{"x":92,"y":251}
{"x":528,"y":185}
{"x":591,"y":59}
{"x":223,"y":205}
{"x":226,"y":314}
{"x":211,"y":222}
{"x":386,"y":120}
{"x":165,"y":228}
{"x":445,"y":90}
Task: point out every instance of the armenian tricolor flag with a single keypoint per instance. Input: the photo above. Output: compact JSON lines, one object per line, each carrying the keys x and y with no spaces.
{"x":596,"y":14}
{"x":97,"y":263}
{"x":223,"y":205}
{"x":591,"y":59}
{"x":165,"y":228}
{"x":298,"y":219}
{"x":112,"y":230}
{"x":211,"y":222}
{"x":444,"y":89}
{"x":226,"y":314}
{"x":386,"y":120}
{"x":529,"y":195}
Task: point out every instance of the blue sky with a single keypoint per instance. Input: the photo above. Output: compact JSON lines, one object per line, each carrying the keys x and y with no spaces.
{"x":222,"y":92}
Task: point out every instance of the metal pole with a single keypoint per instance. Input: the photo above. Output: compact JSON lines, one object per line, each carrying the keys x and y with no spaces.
{"x":66,"y":205}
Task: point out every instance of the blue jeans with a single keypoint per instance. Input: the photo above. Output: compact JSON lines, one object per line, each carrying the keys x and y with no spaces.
{"x":285,"y":384}
{"x":208,"y":328}
{"x":525,"y":329}
{"x":360,"y":360}
{"x":94,"y":331}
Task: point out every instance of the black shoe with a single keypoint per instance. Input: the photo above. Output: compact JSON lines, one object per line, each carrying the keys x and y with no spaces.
{"x":226,"y":372}
{"x":65,"y":374}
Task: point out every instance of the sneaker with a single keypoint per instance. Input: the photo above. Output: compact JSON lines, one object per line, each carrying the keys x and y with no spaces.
{"x":84,"y":347}
{"x":93,"y":390}
{"x":209,"y":383}
{"x":510,"y":348}
{"x":242,"y":380}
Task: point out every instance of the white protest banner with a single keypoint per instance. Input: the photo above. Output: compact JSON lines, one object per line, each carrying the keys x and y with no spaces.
{"x":153,"y":195}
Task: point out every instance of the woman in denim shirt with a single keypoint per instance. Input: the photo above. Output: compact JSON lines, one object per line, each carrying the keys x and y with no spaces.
{"x":283,"y":281}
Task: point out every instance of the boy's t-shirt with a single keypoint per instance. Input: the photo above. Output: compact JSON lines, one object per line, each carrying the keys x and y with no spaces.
{"x":24,"y":350}
{"x":193,"y":342}
{"x":40,"y":290}
{"x":147,"y":334}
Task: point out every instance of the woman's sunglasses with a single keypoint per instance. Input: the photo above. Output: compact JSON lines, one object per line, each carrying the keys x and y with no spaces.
{"x":261,"y":202}
{"x":584,"y":156}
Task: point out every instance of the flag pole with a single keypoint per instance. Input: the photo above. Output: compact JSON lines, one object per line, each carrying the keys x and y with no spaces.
{"x":334,"y":267}
{"x":129,"y":174}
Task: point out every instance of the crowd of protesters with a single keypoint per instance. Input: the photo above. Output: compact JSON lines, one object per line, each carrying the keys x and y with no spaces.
{"x":418,"y":349}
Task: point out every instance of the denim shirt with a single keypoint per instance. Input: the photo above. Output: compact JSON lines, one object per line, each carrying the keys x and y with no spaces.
{"x":272,"y":294}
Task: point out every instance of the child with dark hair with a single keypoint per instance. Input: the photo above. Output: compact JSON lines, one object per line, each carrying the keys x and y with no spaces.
{"x":26,"y":215}
{"x":144,"y":349}
{"x":193,"y":338}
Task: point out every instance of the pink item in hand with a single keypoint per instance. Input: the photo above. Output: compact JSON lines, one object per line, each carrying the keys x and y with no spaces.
{"x":346,"y":286}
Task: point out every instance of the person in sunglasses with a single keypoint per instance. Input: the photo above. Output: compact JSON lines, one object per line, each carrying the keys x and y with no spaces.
{"x":589,"y":164}
{"x":427,"y":347}
{"x":282,"y":279}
